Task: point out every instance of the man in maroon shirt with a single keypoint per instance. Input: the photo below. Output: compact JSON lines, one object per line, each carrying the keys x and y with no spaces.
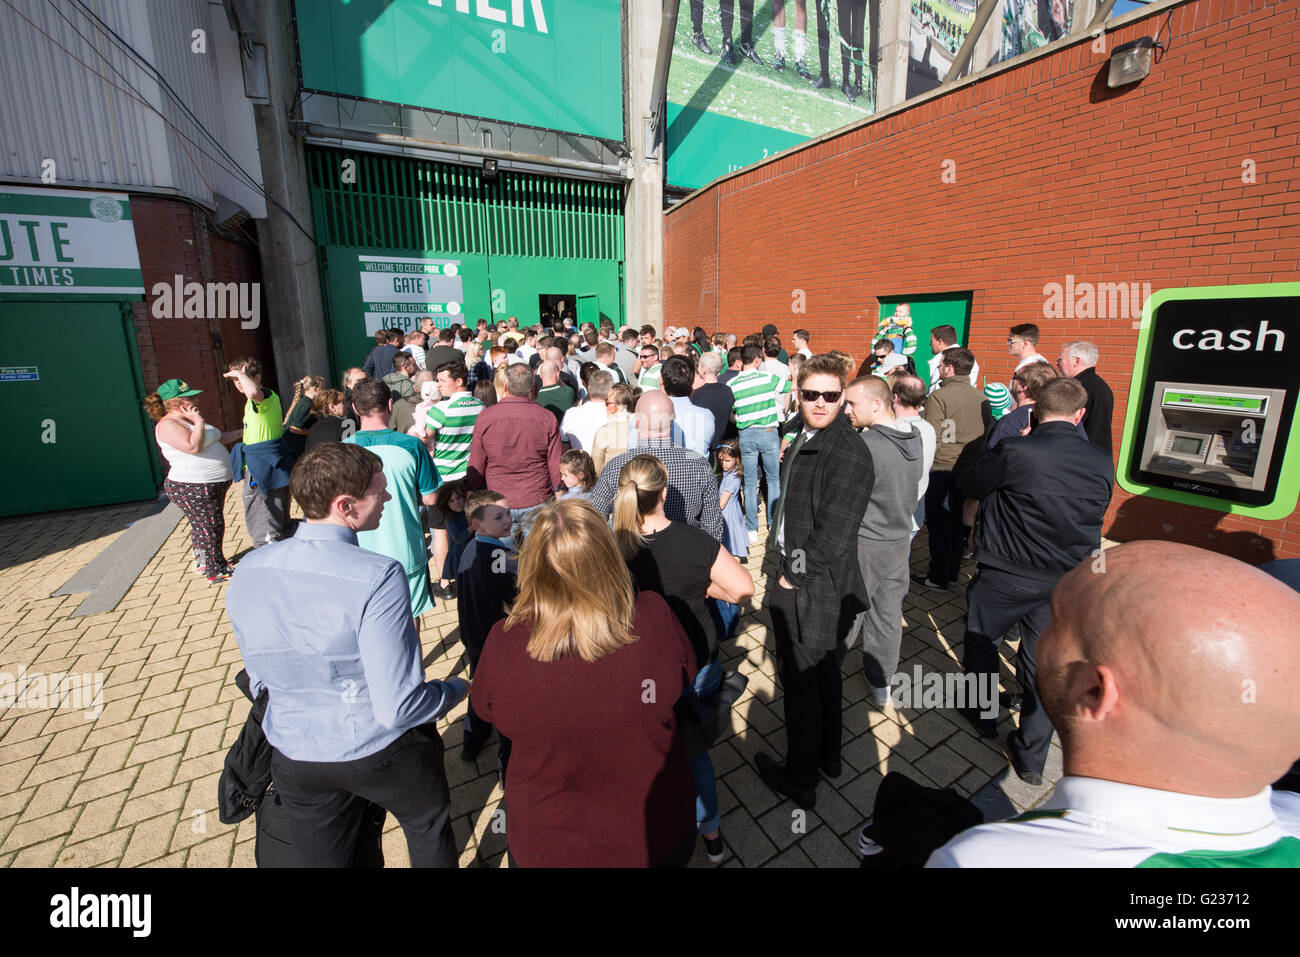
{"x":516,"y":449}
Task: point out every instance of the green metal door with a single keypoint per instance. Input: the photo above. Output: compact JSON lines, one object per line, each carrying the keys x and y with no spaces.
{"x":929,"y":310}
{"x":588,"y":308}
{"x":70,"y":382}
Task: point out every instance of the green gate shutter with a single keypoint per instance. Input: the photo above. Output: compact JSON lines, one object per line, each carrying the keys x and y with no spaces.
{"x":76,"y":435}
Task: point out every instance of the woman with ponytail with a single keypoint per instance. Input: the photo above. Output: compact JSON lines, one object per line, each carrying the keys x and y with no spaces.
{"x":685,"y":565}
{"x":199,"y":476}
{"x":300,"y":417}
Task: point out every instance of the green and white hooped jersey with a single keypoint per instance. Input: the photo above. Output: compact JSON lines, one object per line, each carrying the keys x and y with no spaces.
{"x":650,"y":378}
{"x":453,"y":420}
{"x":755,"y":394}
{"x":1087,"y":822}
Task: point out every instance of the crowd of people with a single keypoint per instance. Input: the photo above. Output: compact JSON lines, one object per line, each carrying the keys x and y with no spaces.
{"x":589,"y":498}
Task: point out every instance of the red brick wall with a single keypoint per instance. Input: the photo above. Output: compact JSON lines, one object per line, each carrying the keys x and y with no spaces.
{"x":1055,"y":175}
{"x":176,"y":237}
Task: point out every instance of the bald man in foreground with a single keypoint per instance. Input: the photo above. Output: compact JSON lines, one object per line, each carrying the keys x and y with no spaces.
{"x":1173,"y":677}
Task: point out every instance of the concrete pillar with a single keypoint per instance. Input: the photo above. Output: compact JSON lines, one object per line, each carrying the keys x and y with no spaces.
{"x":643,"y":210}
{"x":291,"y":279}
{"x":895,"y":36}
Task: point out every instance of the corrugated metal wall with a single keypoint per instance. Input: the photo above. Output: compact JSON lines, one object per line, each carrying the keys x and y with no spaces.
{"x":55,"y":107}
{"x":403,"y":203}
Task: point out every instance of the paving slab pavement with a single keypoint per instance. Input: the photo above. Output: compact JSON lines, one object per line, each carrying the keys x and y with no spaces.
{"x":129,"y":777}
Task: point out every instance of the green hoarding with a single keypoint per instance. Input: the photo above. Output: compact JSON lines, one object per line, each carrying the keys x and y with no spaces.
{"x":555,"y":64}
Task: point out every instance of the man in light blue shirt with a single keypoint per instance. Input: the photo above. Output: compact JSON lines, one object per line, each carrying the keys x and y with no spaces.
{"x":326,"y":627}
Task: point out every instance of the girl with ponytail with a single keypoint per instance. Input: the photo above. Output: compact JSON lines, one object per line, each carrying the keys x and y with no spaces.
{"x":300,"y":417}
{"x":688,"y":568}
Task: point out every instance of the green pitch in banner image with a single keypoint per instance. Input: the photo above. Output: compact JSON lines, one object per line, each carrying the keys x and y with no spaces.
{"x":555,"y":64}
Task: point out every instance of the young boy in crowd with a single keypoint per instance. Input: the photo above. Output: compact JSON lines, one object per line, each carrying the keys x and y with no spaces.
{"x":262,"y":461}
{"x":485,"y":588}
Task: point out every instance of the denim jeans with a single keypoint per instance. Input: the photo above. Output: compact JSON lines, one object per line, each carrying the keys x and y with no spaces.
{"x":707,"y":681}
{"x":724,"y":615}
{"x":758,"y":442}
{"x":521,"y":523}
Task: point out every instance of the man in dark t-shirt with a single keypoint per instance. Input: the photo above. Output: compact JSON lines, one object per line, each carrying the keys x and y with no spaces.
{"x":552,"y":394}
{"x":710,"y":394}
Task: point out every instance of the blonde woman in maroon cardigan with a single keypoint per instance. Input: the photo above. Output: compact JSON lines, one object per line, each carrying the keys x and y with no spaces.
{"x":582,"y":677}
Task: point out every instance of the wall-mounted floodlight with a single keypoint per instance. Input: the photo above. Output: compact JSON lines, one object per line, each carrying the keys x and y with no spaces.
{"x":1130,"y":62}
{"x":489,"y":170}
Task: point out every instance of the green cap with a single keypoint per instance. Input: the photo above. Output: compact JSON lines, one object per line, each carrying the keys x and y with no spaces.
{"x":999,"y":397}
{"x":176,"y":389}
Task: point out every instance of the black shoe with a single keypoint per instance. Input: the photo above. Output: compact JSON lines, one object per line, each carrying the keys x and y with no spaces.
{"x":926,"y":582}
{"x":774,"y":776}
{"x":701,"y":44}
{"x":715,"y":848}
{"x":832,"y":771}
{"x":856,"y":89}
{"x":729,"y":54}
{"x":822,"y":82}
{"x":1033,"y":778}
{"x":1011,"y":702}
{"x":778,"y":62}
{"x":848,"y":94}
{"x":986,"y":727}
{"x":802,"y":69}
{"x":749,"y":53}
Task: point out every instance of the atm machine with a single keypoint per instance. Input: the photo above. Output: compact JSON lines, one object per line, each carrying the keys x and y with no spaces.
{"x":1216,"y":435}
{"x":1211,"y":417}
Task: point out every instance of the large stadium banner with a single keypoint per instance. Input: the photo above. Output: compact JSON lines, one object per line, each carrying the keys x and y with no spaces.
{"x":938,"y":29}
{"x":750,"y":78}
{"x":555,"y":64}
{"x":1029,"y":24}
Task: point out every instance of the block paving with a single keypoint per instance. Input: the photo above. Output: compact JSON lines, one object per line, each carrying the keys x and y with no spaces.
{"x":136,"y":785}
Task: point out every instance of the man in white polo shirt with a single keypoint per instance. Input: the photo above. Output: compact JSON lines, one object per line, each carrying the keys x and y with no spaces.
{"x":943,"y":338}
{"x":1173,"y":676}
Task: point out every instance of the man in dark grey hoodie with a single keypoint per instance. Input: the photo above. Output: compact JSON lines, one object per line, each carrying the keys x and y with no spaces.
{"x":885,"y":535}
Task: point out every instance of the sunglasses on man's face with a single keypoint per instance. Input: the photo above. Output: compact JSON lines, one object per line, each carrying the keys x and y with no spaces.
{"x":811,"y":395}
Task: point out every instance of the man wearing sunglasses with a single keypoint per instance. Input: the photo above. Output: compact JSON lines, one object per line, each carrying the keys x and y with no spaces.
{"x":826,"y":486}
{"x":1022,"y":342}
{"x":648,"y":367}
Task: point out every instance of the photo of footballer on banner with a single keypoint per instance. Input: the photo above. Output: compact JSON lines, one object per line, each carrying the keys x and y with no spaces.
{"x":750,"y":78}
